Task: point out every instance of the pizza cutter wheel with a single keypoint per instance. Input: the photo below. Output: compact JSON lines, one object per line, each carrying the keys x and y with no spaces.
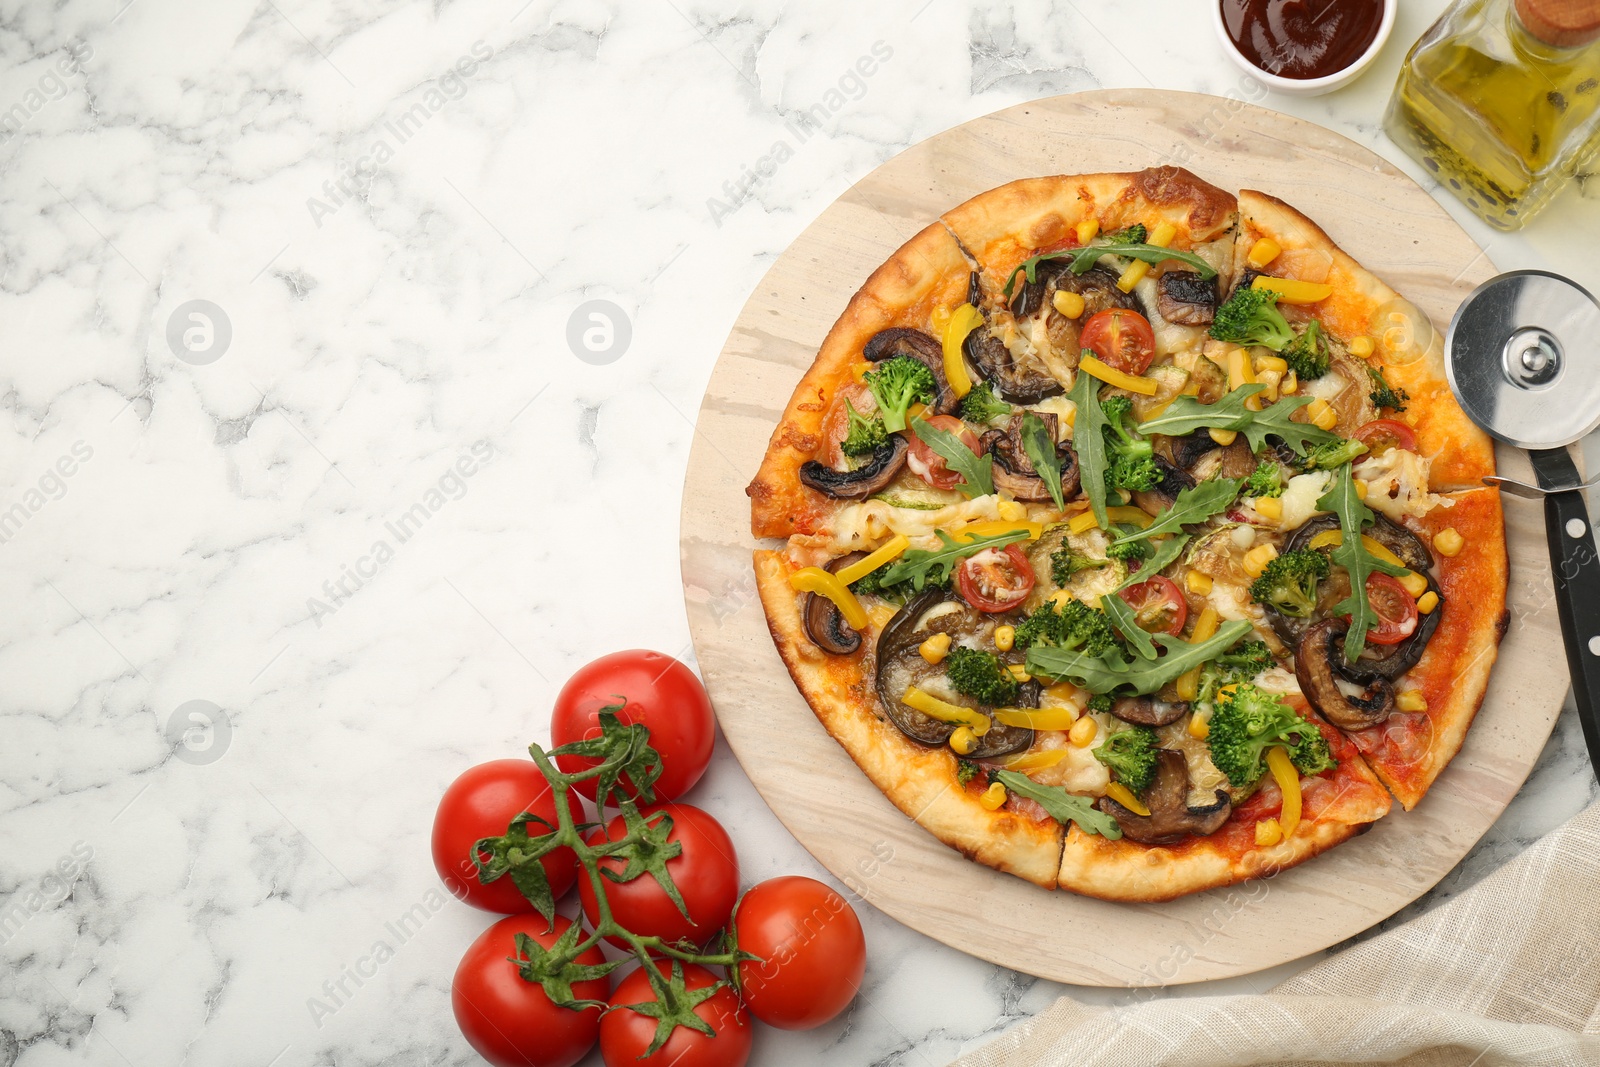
{"x":1523,"y":359}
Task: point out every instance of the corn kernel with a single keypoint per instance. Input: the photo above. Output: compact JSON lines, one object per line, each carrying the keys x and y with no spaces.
{"x":1072,"y":418}
{"x":1199,"y":728}
{"x":1414,"y":583}
{"x":1088,"y":230}
{"x":1133,"y":275}
{"x":963,"y":740}
{"x":1005,"y":637}
{"x":1064,"y":693}
{"x":1411,"y":700}
{"x":1163,"y":234}
{"x":859,"y":371}
{"x":993,"y":797}
{"x":1223,"y":437}
{"x":1019,"y":672}
{"x":1362,"y":347}
{"x":1360,"y":488}
{"x":1427,"y":602}
{"x":1083,"y":731}
{"x":1264,"y":251}
{"x":935,"y":648}
{"x":1011,"y":511}
{"x":1269,"y":507}
{"x":1291,"y":384}
{"x":1448,"y":541}
{"x":1270,"y":379}
{"x":1256,"y":560}
{"x":915,"y":412}
{"x":1198,"y":582}
{"x":1322,"y":415}
{"x":1277,"y":363}
{"x":1268,"y":833}
{"x":1068,"y":303}
{"x":1188,"y":684}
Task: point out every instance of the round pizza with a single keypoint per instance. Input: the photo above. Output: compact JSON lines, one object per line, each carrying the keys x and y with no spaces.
{"x":1127,"y":536}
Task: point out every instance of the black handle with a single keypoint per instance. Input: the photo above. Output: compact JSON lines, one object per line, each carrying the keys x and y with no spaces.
{"x":1575,"y":566}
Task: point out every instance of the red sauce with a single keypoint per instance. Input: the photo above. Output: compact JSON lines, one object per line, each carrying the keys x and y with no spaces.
{"x":1302,"y":38}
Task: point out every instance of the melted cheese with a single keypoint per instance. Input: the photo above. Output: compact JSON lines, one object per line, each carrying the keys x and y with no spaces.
{"x":1063,"y":410}
{"x":1328,"y":387}
{"x":1079,"y":771}
{"x":1397,"y":484}
{"x":1300,"y":498}
{"x":1204,"y":778}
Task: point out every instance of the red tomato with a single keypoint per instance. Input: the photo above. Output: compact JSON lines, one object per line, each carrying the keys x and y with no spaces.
{"x":1396,"y":610}
{"x":625,"y":1034}
{"x":509,"y":1020}
{"x":661,"y":693}
{"x":481,"y":803}
{"x":928,"y":464}
{"x":1380,"y":435}
{"x":1158,"y":605}
{"x":996,"y":579}
{"x":1121,"y":338}
{"x":706,"y":874}
{"x":811,"y":947}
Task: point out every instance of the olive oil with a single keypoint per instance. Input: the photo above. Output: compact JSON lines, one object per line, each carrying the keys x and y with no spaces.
{"x":1501,"y":101}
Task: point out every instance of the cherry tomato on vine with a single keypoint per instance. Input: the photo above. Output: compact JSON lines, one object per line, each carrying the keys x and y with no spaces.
{"x":928,"y":464}
{"x":706,"y":874}
{"x":625,"y":1034}
{"x":1380,"y":435}
{"x":1158,"y":605}
{"x":481,"y":803}
{"x":1396,"y":610}
{"x":661,"y":693}
{"x":812,"y":952}
{"x":509,"y":1020}
{"x":996,"y":579}
{"x":1121,"y":338}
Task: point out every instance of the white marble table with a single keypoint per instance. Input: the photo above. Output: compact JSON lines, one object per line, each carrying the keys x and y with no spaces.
{"x":394,"y":210}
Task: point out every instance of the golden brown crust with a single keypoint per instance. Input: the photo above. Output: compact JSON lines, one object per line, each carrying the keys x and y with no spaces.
{"x":919,"y":780}
{"x":927,"y":272}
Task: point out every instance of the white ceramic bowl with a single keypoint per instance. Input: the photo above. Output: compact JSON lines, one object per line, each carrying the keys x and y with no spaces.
{"x":1306,"y":86}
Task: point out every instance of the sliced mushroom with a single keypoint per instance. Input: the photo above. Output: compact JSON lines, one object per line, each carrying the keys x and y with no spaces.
{"x":1185,"y":298}
{"x":900,"y":666}
{"x":878,"y":471}
{"x":1190,"y":449}
{"x":1316,"y":661}
{"x":823,"y":621}
{"x":1171,"y":818}
{"x":1148,"y":711}
{"x":1014,"y":472}
{"x":996,"y":363}
{"x":900,"y":341}
{"x":1161,"y":496}
{"x":1097,"y":286}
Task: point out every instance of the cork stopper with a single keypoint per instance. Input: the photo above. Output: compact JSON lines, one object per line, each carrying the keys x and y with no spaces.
{"x":1561,"y":23}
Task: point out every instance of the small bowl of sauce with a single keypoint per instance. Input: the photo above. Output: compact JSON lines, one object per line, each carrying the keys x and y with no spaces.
{"x":1303,"y":47}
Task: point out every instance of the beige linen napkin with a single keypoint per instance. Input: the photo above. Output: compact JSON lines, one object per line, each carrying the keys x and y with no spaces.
{"x":1507,"y":973}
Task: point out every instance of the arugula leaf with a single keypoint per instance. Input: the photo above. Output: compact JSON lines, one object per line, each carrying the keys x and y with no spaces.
{"x":1352,"y":555}
{"x":1195,"y":504}
{"x":1166,"y":552}
{"x":1276,"y":421}
{"x":1089,"y":440}
{"x":976,"y":479}
{"x":1084,"y":258}
{"x":920,"y":565}
{"x":1041,"y":450}
{"x":1064,"y":807}
{"x":1187,"y":414}
{"x":1103,"y":675}
{"x":1120,"y":612}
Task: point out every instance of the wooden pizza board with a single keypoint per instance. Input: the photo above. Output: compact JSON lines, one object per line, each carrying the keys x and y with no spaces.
{"x":1375,"y":213}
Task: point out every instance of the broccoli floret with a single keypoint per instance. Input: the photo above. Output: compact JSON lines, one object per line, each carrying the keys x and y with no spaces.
{"x":1327,"y":456}
{"x":1383,"y":395}
{"x":981,"y":405}
{"x":1130,"y":459}
{"x":1247,"y":721}
{"x":1251,"y":317}
{"x":865,"y":435}
{"x":1246,"y":660}
{"x":1064,"y":563}
{"x":873,"y":583}
{"x":1129,"y":552}
{"x":1100,"y":702}
{"x":1131,"y":757}
{"x":966,"y":771}
{"x":1308,"y":355}
{"x":1263,"y":481}
{"x":1289,"y":582}
{"x":1073,"y":625}
{"x":896,"y":385}
{"x":1133,"y":235}
{"x":981,"y":676}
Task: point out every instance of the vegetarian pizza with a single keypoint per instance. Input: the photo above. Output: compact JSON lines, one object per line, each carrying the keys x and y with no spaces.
{"x":1128,"y":541}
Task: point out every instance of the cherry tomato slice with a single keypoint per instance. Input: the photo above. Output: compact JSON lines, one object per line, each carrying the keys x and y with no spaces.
{"x":1158,"y":605}
{"x":1380,"y":435}
{"x":928,"y":464}
{"x":1396,"y":611}
{"x":1121,"y":338}
{"x":996,"y":579}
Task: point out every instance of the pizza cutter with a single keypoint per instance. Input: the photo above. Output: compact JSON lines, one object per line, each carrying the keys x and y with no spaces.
{"x":1523,"y":359}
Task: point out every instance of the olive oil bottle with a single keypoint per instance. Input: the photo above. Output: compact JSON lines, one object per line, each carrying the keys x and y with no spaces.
{"x":1501,"y":101}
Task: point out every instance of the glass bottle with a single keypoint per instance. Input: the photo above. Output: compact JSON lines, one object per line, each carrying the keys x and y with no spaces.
{"x":1500,"y":99}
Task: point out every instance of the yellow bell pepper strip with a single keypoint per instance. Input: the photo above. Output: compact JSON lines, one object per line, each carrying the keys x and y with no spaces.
{"x":816,"y":580}
{"x":1288,"y":780}
{"x":1124,"y":796}
{"x":1374,"y":547}
{"x":1037,"y":719}
{"x":1205,"y":628}
{"x":963,"y":321}
{"x":1294,"y":291}
{"x":993,"y":527}
{"x":1035,"y":761}
{"x":889,"y":552}
{"x":1133,"y":383}
{"x":943,"y":710}
{"x":1083,"y":522}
